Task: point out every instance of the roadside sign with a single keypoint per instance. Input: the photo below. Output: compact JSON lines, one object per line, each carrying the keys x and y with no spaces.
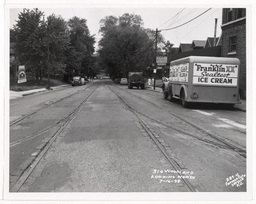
{"x":22,"y":74}
{"x":161,"y":60}
{"x":154,"y":71}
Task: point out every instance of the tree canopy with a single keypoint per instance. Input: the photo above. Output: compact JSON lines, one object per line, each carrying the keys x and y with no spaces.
{"x":28,"y":37}
{"x":125,"y":45}
{"x":80,"y":53}
{"x":51,"y":44}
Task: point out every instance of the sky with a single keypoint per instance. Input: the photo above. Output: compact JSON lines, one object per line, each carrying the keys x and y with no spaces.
{"x":161,"y":18}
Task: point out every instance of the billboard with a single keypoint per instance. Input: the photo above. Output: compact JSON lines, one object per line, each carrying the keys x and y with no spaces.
{"x":21,"y":74}
{"x":161,"y":60}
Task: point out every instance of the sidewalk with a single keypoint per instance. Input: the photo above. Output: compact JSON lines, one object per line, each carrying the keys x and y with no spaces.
{"x":21,"y":94}
{"x":241,"y":106}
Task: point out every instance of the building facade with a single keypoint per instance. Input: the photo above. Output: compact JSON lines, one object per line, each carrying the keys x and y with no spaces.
{"x":233,"y":40}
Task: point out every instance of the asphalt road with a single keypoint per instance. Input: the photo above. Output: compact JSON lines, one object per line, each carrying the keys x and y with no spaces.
{"x":104,"y":137}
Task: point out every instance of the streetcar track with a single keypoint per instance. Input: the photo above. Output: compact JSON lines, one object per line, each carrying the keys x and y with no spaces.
{"x":224,"y":143}
{"x":62,"y":124}
{"x":152,"y":135}
{"x":17,"y":121}
{"x":12,"y":144}
{"x":44,"y":130}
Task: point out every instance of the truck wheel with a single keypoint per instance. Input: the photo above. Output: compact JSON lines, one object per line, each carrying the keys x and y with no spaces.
{"x":142,"y":86}
{"x":170,"y":94}
{"x":183,"y":102}
{"x":165,"y":94}
{"x":129,"y":86}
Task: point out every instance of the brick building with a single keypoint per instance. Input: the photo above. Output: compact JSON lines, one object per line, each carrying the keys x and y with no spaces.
{"x":233,"y":40}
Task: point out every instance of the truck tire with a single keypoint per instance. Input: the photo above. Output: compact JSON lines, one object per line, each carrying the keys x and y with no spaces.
{"x":142,"y":86}
{"x":183,"y":102}
{"x":170,"y":94}
{"x":129,"y":86}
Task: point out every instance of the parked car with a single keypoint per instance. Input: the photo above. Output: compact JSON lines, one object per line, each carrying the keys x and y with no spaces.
{"x":86,"y":78}
{"x":76,"y":81}
{"x":83,"y":82}
{"x":117,"y":80}
{"x":124,"y":81}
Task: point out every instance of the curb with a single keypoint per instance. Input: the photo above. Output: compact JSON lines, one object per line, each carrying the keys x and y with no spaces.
{"x":21,"y":94}
{"x":33,"y":92}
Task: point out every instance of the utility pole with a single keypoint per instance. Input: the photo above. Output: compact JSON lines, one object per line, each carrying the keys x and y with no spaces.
{"x":215,"y":31}
{"x":155,"y":59}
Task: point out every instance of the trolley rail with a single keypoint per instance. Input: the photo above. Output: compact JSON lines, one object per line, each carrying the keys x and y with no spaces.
{"x":17,"y":121}
{"x":212,"y":138}
{"x":155,"y":139}
{"x":61,"y":124}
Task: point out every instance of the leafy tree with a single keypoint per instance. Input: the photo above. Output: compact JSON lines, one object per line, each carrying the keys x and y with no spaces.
{"x":56,"y":43}
{"x":27,"y":35}
{"x":48,"y":45}
{"x":80,"y":52}
{"x":125,"y":45}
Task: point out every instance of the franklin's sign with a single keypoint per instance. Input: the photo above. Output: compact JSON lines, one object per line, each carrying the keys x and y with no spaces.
{"x":215,"y":74}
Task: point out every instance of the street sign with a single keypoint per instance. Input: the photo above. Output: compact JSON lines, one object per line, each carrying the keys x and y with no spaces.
{"x":161,"y":60}
{"x":22,"y":74}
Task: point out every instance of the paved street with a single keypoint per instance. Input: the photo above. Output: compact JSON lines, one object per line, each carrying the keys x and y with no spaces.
{"x":104,"y":137}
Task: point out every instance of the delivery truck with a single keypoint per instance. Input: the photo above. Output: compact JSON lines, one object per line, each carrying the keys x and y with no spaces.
{"x":136,"y":79}
{"x":203,"y":79}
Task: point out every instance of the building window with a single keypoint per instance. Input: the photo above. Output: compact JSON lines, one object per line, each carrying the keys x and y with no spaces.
{"x":229,"y":14}
{"x":232,"y":44}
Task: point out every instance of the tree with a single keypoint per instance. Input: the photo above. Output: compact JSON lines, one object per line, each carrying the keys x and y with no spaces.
{"x":125,"y":45}
{"x":27,"y":36}
{"x":80,"y":52}
{"x":56,"y":43}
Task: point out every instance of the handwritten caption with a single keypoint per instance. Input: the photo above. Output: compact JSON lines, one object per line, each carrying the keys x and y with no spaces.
{"x":171,"y":176}
{"x":235,"y":180}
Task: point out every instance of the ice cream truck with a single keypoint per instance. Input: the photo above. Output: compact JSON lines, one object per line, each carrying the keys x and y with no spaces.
{"x":204,"y":79}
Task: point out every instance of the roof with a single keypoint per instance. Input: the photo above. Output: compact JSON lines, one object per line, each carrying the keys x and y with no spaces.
{"x":206,"y":59}
{"x":210,"y":41}
{"x":184,"y":47}
{"x":198,"y":43}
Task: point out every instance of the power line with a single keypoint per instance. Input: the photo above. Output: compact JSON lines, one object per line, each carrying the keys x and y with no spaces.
{"x":73,"y":12}
{"x":175,"y":18}
{"x":200,"y":23}
{"x":188,"y":33}
{"x":170,"y":18}
{"x":187,"y":21}
{"x":183,"y":17}
{"x":114,"y":12}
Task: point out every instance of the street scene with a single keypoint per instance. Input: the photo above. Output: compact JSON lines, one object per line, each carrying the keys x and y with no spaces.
{"x":103,"y":137}
{"x":128,"y":109}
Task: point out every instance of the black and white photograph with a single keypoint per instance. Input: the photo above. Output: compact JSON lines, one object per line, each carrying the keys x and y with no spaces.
{"x":128,"y":102}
